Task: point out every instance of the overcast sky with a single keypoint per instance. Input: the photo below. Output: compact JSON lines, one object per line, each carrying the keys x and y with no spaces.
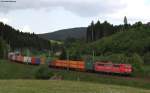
{"x":42,"y":16}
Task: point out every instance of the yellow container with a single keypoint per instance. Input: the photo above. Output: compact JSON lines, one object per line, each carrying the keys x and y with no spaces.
{"x":43,"y":59}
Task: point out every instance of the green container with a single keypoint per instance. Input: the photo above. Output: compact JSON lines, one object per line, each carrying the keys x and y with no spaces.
{"x":48,"y":60}
{"x":89,"y":65}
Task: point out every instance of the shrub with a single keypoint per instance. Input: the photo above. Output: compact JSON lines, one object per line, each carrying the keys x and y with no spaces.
{"x":115,"y":58}
{"x":137,"y":64}
{"x":147,"y":58}
{"x":63,"y":55}
{"x":43,"y":72}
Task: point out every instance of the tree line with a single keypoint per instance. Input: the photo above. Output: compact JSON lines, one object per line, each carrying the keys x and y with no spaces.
{"x":20,"y":40}
{"x":99,"y":30}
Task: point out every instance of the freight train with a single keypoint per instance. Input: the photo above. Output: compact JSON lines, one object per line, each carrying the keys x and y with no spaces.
{"x":107,"y":67}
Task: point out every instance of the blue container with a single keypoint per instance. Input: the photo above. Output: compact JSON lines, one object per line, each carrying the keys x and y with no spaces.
{"x":37,"y":61}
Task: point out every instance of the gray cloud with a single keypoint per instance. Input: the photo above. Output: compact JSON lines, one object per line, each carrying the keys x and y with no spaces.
{"x":79,"y":7}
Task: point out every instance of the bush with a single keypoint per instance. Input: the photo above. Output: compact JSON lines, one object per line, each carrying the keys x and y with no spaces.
{"x":119,"y":58}
{"x":147,"y":58}
{"x":63,"y":55}
{"x":115,"y":58}
{"x":137,"y":64}
{"x":43,"y":72}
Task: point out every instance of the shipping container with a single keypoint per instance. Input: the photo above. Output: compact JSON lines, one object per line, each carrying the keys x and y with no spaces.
{"x":37,"y":60}
{"x":89,"y":65}
{"x":27,"y":60}
{"x":48,"y":60}
{"x":24,"y":59}
{"x":10,"y":55}
{"x":33,"y":60}
{"x":80,"y":65}
{"x":42,"y":59}
{"x":13,"y":57}
{"x":20,"y":59}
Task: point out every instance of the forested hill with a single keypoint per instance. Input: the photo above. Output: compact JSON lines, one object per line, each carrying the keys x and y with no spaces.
{"x":76,"y":33}
{"x":18,"y":40}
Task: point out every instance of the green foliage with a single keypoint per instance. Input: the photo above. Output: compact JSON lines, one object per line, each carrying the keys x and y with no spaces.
{"x":147,"y":58}
{"x":3,"y":48}
{"x":20,"y":40}
{"x":43,"y":72}
{"x":125,"y":20}
{"x":115,"y":58}
{"x":75,"y":55}
{"x":133,"y":41}
{"x":99,"y":30}
{"x":63,"y":55}
{"x":137,"y":64}
{"x":75,"y":48}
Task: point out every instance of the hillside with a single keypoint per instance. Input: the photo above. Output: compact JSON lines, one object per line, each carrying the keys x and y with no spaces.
{"x":132,"y":41}
{"x":48,"y":86}
{"x":66,"y":33}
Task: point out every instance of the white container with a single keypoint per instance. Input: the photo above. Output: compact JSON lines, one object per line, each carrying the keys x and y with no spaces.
{"x":26,"y":59}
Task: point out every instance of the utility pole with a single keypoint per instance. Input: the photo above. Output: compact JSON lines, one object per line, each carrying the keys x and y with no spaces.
{"x":92,"y":28}
{"x":93,"y":54}
{"x":68,"y":60}
{"x":92,"y":33}
{"x":51,"y":48}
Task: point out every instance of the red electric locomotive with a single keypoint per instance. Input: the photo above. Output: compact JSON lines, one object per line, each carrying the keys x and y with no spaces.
{"x":113,"y":68}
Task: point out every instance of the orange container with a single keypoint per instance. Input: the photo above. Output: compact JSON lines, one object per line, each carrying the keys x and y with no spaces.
{"x":77,"y":64}
{"x":80,"y":65}
{"x":73,"y":62}
{"x":60,"y":63}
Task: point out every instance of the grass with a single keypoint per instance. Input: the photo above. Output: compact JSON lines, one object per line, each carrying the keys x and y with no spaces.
{"x":12,"y":70}
{"x":48,"y":86}
{"x":147,"y":70}
{"x":102,"y":79}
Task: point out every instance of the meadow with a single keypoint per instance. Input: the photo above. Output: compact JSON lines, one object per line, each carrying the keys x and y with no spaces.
{"x":52,"y":86}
